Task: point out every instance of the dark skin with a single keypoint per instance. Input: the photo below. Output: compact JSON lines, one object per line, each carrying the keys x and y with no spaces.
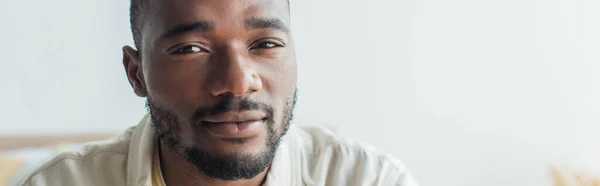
{"x":197,"y":52}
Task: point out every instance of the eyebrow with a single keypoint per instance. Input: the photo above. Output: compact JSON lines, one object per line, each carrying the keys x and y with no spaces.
{"x":200,"y":26}
{"x":262,"y":23}
{"x":207,"y":26}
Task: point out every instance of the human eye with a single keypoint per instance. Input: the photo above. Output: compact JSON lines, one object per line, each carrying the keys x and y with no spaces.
{"x":187,"y":49}
{"x":268,"y":44}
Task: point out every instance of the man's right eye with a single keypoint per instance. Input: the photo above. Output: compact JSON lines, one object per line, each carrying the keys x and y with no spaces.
{"x":188,"y":49}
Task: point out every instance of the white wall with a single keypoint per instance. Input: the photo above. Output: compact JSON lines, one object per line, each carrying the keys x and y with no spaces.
{"x":466,"y":93}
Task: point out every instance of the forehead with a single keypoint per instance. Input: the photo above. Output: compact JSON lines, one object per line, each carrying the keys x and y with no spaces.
{"x":220,"y":7}
{"x":224,"y":13}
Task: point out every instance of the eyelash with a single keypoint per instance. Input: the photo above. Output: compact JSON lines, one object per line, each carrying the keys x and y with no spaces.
{"x":179,"y":50}
{"x":274,"y":45}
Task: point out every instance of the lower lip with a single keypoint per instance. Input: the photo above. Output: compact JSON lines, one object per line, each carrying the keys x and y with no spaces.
{"x":234,"y":129}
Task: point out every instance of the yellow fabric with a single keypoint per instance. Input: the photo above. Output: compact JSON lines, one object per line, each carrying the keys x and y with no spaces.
{"x":564,"y":178}
{"x":157,"y":179}
{"x":8,"y":168}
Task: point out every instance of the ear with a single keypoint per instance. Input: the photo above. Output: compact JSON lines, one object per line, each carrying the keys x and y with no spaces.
{"x":133,"y":67}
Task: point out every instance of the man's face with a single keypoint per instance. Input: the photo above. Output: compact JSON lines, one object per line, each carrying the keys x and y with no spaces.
{"x":220,"y":80}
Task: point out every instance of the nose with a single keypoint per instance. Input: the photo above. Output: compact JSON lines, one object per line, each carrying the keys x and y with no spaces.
{"x":235,"y":75}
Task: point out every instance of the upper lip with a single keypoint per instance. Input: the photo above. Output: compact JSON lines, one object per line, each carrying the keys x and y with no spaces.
{"x":235,"y":117}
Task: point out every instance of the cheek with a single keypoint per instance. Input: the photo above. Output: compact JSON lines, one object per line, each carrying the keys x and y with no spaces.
{"x":175,"y":84}
{"x":281,"y":76}
{"x":281,"y":89}
{"x":186,"y":135}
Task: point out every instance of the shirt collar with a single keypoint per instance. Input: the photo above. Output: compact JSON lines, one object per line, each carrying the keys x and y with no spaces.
{"x":284,"y":168}
{"x":141,"y":148}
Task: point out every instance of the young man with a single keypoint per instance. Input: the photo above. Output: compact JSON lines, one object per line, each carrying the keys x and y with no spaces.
{"x":220,"y":81}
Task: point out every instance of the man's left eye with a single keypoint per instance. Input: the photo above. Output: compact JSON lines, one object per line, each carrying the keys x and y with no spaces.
{"x":266,"y":45}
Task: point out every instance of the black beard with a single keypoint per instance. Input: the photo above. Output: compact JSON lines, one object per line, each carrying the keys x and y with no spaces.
{"x":224,"y":167}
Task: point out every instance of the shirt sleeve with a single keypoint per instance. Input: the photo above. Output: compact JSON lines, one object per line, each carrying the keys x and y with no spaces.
{"x":404,"y":179}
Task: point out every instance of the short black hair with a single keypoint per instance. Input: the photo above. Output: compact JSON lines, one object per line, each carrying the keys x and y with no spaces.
{"x":137,"y":11}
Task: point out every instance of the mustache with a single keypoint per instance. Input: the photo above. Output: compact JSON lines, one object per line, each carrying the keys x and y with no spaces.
{"x":232,"y":105}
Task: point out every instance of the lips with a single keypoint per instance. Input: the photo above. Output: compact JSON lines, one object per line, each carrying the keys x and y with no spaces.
{"x":234,"y":125}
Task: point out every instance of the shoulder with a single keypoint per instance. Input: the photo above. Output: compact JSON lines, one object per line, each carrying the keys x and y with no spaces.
{"x":82,"y":166}
{"x":323,"y":143}
{"x":331,"y":159}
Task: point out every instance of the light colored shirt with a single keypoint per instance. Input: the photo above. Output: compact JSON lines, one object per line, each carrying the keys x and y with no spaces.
{"x":157,"y":178}
{"x":306,"y":156}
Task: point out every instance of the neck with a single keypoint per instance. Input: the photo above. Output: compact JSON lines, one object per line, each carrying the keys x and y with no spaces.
{"x":176,"y":170}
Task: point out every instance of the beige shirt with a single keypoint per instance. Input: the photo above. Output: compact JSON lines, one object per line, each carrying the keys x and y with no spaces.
{"x":306,"y":156}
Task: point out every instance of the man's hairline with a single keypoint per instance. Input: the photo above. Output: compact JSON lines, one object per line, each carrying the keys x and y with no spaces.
{"x":145,"y":19}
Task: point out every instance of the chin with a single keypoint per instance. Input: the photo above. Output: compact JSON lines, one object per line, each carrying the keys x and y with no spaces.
{"x":225,"y":146}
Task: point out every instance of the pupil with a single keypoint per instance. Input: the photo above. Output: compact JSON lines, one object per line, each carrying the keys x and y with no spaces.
{"x":188,"y":49}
